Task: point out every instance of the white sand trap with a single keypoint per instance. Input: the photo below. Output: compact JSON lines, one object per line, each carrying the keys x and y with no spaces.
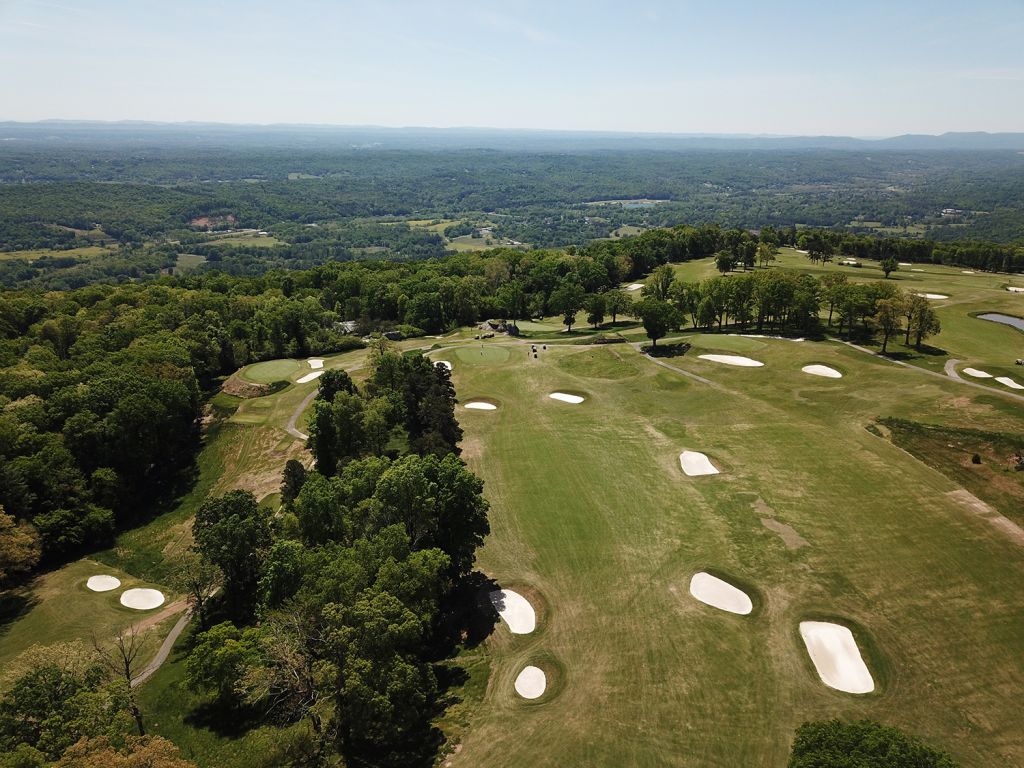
{"x":977,"y":373}
{"x":444,"y":363}
{"x":476,"y":405}
{"x":720,"y":594}
{"x":744,"y":362}
{"x":309,"y":377}
{"x":836,"y":657}
{"x":933,"y":295}
{"x":574,"y":399}
{"x":315,"y":363}
{"x":103,"y":583}
{"x":531,"y":682}
{"x":1007,"y":381}
{"x":966,"y":271}
{"x":1013,"y":289}
{"x":822,"y":370}
{"x":634,"y":286}
{"x":142,"y":599}
{"x":905,"y":263}
{"x":696,"y":464}
{"x":515,"y":610}
{"x":917,"y":270}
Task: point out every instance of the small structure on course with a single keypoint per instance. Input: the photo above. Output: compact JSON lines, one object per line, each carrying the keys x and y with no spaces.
{"x":142,"y":599}
{"x":743,"y":362}
{"x":836,"y":656}
{"x":531,"y":682}
{"x":822,"y":370}
{"x":720,"y":594}
{"x":696,"y":464}
{"x":565,"y":398}
{"x":102,"y":583}
{"x":515,"y":610}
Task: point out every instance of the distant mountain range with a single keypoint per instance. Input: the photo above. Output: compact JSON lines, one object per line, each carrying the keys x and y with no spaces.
{"x":138,"y":133}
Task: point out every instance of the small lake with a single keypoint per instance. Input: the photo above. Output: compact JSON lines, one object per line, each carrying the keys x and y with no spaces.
{"x":996,"y":317}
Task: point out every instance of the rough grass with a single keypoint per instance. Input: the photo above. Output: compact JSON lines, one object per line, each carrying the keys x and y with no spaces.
{"x":589,"y":509}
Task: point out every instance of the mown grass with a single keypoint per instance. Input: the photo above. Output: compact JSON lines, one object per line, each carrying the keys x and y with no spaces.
{"x":590,"y":509}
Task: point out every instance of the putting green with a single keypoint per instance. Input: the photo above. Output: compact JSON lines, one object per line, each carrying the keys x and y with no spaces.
{"x":484,"y":354}
{"x":270,"y":371}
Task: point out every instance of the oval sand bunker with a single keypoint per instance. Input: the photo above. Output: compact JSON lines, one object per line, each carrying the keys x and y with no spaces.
{"x":695,"y":464}
{"x":531,"y":682}
{"x":479,"y":405}
{"x":309,"y":377}
{"x":574,"y":399}
{"x":142,"y":599}
{"x":977,"y":373}
{"x":1008,"y":382}
{"x":822,"y":370}
{"x":515,"y":610}
{"x":712,"y":591}
{"x":836,"y":657}
{"x":933,"y":295}
{"x":103,"y":583}
{"x":744,"y":362}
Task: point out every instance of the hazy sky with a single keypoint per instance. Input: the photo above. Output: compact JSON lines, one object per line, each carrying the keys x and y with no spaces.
{"x":817,"y":67}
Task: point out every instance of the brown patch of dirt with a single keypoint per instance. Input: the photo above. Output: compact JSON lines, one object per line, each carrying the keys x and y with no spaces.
{"x":151,"y":621}
{"x":238,"y":387}
{"x":212,"y":222}
{"x":787,"y":533}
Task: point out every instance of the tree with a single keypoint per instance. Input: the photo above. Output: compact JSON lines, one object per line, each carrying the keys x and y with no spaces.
{"x":219,"y":660}
{"x":765,"y":253}
{"x":724,"y":261}
{"x":864,"y":744}
{"x":888,"y":318}
{"x":332,"y":382}
{"x":233,"y":532}
{"x":889,"y":264}
{"x":20,"y":548}
{"x":595,"y":309}
{"x":924,"y":322}
{"x":657,"y":317}
{"x":567,"y":300}
{"x":137,"y":752}
{"x":293,"y":477}
{"x":659,"y":286}
{"x":617,"y":303}
{"x":199,"y":579}
{"x":121,"y":660}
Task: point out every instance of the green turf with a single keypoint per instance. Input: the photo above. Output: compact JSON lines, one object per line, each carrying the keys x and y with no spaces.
{"x":590,"y":509}
{"x":273,"y":370}
{"x":484,"y":354}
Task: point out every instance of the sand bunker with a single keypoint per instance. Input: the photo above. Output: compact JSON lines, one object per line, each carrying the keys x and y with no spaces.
{"x":444,"y":363}
{"x":836,"y":657}
{"x":574,"y":399}
{"x":745,"y":362}
{"x":905,"y":264}
{"x":634,"y":286}
{"x":1008,"y":382}
{"x":822,"y":370}
{"x":917,"y":270}
{"x":932,"y":295}
{"x":315,"y":363}
{"x":977,"y":373}
{"x":531,"y":682}
{"x":720,"y":594}
{"x":103,"y":583}
{"x":695,"y":464}
{"x":1012,"y":289}
{"x":478,"y":405}
{"x":966,"y":271}
{"x":309,"y":377}
{"x":142,"y":599}
{"x":515,"y":610}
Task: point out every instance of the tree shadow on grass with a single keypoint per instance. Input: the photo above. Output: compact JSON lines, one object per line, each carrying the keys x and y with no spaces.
{"x":224,"y":720}
{"x":14,"y":604}
{"x":467,"y":616}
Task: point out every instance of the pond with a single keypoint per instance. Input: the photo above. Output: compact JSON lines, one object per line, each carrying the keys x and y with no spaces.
{"x":996,"y":317}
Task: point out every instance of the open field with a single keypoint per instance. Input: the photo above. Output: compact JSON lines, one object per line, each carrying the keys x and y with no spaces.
{"x":813,"y":515}
{"x":83,"y":252}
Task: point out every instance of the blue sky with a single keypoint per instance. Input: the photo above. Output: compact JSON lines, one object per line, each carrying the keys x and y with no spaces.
{"x":865,"y":69}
